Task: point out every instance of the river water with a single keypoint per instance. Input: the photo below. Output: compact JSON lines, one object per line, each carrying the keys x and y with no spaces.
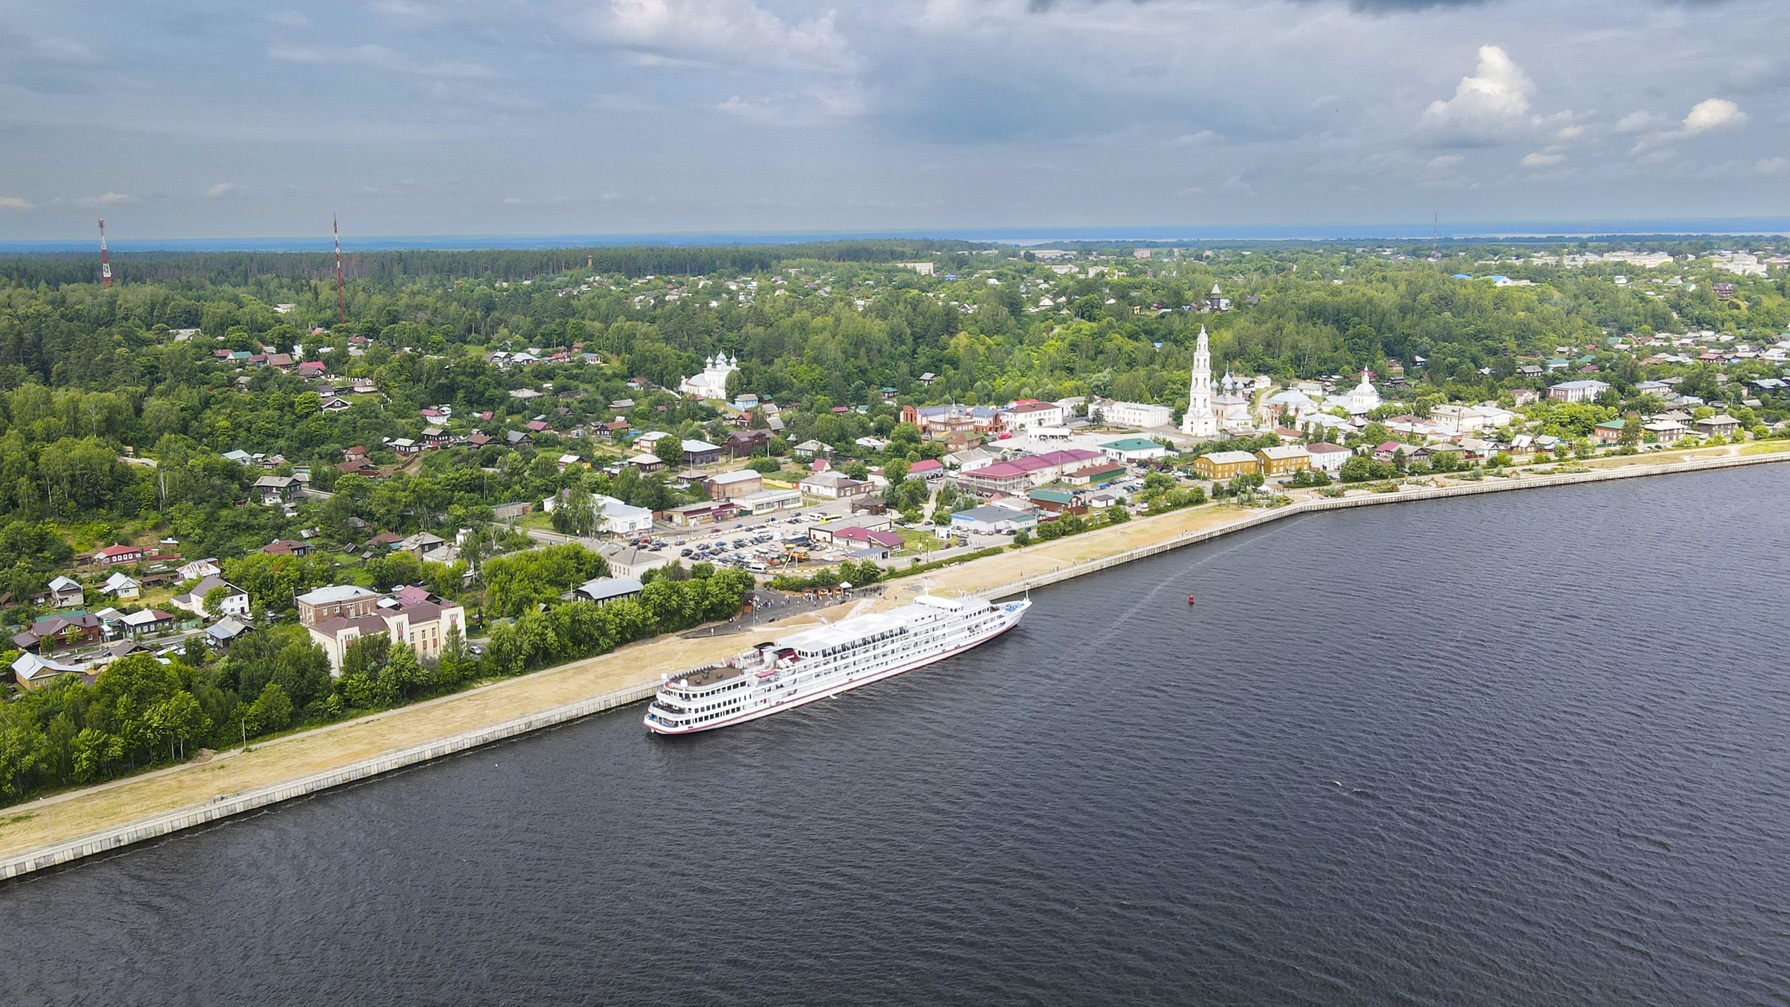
{"x":1521,"y":749}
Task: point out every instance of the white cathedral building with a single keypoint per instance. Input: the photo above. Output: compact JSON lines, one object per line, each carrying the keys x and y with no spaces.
{"x":712,"y":382}
{"x":1362,"y":399}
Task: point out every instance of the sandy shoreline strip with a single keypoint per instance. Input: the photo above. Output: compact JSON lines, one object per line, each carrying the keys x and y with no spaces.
{"x":42,"y":833}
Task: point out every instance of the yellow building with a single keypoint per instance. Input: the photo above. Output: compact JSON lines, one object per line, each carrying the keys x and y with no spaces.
{"x":1282,"y":459}
{"x":1227,"y":464}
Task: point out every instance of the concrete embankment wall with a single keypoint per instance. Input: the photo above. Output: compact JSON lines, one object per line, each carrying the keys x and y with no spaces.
{"x":1072,"y":571}
{"x":234,"y":804}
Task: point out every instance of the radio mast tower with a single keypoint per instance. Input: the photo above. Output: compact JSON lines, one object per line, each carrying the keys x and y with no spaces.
{"x":341,"y":299}
{"x":105,"y":258}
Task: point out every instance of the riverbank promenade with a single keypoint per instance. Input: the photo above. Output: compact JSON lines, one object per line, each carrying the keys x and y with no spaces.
{"x":66,"y":827}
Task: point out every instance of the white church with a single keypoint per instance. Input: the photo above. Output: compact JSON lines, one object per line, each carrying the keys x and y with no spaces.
{"x":1207,"y":414}
{"x":1362,"y":399}
{"x":712,"y":382}
{"x":1200,"y":420}
{"x":1293,"y":405}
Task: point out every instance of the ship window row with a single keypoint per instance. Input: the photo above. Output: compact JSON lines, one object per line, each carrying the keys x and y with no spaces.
{"x":711,"y":706}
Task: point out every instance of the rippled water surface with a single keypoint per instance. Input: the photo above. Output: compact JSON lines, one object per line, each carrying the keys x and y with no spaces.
{"x":1523,"y":749}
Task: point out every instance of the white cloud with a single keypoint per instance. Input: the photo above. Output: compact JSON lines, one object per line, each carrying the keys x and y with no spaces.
{"x":760,"y":110}
{"x":1758,"y":73}
{"x":825,"y":102}
{"x":220,"y":189}
{"x":1772,"y":167}
{"x":1490,"y":106}
{"x":1542,"y":160}
{"x":106,"y":199}
{"x":15,"y":203}
{"x":1712,"y":114}
{"x":1199,"y":139}
{"x":725,"y":32}
{"x":62,"y":50}
{"x":378,"y":57}
{"x":1443,"y":168}
{"x":1642,"y":122}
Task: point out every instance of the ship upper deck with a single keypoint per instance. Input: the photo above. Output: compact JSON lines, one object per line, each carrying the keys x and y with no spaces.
{"x":702,"y":678}
{"x":923,"y":609}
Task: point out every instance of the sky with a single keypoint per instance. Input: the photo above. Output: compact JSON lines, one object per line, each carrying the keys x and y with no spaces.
{"x":220,"y":118}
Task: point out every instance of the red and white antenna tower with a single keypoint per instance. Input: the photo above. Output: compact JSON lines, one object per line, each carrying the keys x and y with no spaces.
{"x":105,"y":258}
{"x":341,"y":298}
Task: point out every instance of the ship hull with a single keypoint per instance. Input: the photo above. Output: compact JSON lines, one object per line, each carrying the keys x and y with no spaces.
{"x":836,"y":688}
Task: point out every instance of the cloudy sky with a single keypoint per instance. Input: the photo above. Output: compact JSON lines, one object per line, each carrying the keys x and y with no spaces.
{"x":195,"y":118}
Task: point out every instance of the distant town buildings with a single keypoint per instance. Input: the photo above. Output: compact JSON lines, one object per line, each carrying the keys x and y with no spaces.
{"x":1033,"y":414}
{"x":994,"y":519}
{"x":1576,"y":391}
{"x":1133,"y":414}
{"x":1226,"y":464}
{"x":338,"y":615}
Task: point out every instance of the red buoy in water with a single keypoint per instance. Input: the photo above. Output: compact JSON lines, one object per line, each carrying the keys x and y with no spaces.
{"x":1190,"y":599}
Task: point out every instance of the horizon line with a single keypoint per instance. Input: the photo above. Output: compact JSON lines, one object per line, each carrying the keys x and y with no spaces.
{"x":1013,"y":236}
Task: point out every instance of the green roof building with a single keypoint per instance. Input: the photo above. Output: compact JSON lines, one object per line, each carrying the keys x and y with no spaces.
{"x":1133,"y":449}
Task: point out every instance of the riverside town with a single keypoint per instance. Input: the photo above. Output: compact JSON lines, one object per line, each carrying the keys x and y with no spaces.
{"x":230,"y":515}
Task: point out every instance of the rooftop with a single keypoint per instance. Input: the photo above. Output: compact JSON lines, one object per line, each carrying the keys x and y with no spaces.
{"x":1229,"y":457}
{"x":1132,"y":444}
{"x":334,"y":593}
{"x":605,"y":588}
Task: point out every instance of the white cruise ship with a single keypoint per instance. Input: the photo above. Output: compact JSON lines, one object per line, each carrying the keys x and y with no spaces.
{"x":826,"y":661}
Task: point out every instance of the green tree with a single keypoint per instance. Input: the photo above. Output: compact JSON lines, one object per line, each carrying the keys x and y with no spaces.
{"x":406,"y":674}
{"x":214,"y":600}
{"x":271,"y":711}
{"x":96,"y":754}
{"x":367,"y":656}
{"x":576,"y":513}
{"x":176,"y":721}
{"x":22,"y":749}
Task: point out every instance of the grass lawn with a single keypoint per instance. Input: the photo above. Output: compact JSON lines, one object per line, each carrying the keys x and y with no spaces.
{"x":916,"y":541}
{"x":535,"y":519}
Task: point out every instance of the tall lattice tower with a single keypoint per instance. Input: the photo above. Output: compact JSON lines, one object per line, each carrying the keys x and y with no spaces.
{"x":341,"y":298}
{"x":105,"y":258}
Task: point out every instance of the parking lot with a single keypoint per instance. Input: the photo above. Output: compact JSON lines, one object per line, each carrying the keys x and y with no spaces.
{"x":767,"y":544}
